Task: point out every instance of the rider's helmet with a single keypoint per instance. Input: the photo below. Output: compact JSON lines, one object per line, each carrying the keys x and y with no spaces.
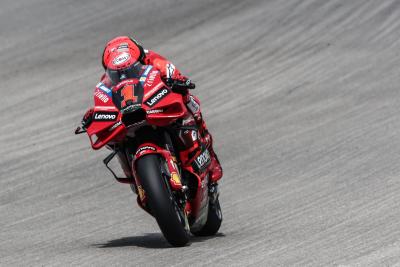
{"x":122,"y":58}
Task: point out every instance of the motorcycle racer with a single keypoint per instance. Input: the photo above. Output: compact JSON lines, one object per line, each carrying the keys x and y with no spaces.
{"x":125,"y":58}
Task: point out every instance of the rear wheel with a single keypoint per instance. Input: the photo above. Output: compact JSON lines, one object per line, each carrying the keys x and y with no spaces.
{"x":214,"y":220}
{"x":161,"y":202}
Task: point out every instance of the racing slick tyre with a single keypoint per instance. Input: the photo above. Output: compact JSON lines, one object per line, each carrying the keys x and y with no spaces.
{"x":214,"y":220}
{"x":161,"y":201}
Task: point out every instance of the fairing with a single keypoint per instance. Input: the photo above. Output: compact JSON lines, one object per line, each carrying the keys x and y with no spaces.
{"x":133,"y":101}
{"x":147,"y":99}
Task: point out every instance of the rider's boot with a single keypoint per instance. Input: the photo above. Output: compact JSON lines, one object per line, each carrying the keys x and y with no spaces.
{"x":216,"y":168}
{"x":193,"y":104}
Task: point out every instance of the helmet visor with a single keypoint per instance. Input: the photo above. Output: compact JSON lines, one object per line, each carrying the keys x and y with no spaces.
{"x":131,"y":72}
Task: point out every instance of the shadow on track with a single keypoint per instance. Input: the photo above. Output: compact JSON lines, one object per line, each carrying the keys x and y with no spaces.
{"x":149,"y":240}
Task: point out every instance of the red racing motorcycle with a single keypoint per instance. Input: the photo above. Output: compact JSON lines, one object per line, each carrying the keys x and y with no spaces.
{"x":143,"y":122}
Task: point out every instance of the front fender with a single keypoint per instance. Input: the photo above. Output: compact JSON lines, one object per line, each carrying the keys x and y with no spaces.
{"x":172,"y":169}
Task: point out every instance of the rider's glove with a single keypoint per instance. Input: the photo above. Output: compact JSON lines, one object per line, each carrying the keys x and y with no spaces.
{"x":87,"y":118}
{"x":181,"y":85}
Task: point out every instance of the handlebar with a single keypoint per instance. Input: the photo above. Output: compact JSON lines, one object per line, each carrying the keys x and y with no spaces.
{"x":177,"y":86}
{"x":180,"y":86}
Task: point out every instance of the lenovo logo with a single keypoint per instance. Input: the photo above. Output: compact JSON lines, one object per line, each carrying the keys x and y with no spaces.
{"x":105,"y":116}
{"x":154,"y":99}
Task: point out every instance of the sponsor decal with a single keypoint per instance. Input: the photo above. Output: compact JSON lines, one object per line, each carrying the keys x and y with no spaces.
{"x":105,"y":116}
{"x":144,"y":148}
{"x":104,"y":88}
{"x":142,"y":79}
{"x":203,"y":160}
{"x":193,"y":105}
{"x":123,"y":47}
{"x":141,"y":192}
{"x":155,"y":88}
{"x":128,"y":95}
{"x":122,"y":58}
{"x":100,"y":95}
{"x":151,"y":78}
{"x":125,"y":82}
{"x":154,"y":111}
{"x":130,"y":108}
{"x":170,"y":70}
{"x":157,"y":96}
{"x":146,"y":72}
{"x":194,"y":135}
{"x":115,"y":126}
{"x":176,"y":179}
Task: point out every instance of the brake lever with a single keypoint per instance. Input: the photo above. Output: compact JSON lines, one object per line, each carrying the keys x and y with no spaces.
{"x":181,"y":87}
{"x":79,"y":130}
{"x":190,"y":85}
{"x":187,"y":84}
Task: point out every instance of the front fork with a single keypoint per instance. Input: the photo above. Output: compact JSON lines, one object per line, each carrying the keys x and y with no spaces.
{"x":170,"y":170}
{"x":170,"y":173}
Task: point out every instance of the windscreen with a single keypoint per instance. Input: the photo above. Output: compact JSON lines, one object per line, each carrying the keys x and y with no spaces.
{"x":116,"y":76}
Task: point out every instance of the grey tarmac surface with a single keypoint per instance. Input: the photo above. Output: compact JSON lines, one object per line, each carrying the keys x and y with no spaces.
{"x":302,"y":98}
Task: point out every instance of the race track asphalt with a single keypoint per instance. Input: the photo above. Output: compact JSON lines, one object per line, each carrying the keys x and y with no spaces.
{"x":302,"y":98}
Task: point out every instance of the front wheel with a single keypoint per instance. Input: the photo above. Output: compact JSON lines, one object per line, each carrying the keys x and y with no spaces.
{"x":161,"y":202}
